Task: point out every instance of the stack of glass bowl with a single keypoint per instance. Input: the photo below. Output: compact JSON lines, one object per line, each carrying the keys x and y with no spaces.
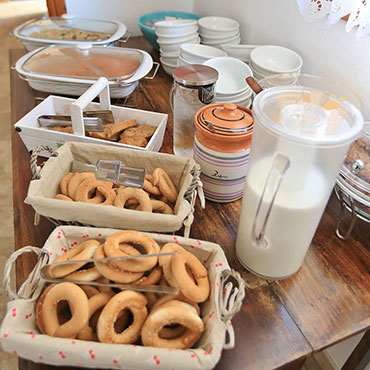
{"x":215,"y":31}
{"x":171,"y":35}
{"x":269,"y":60}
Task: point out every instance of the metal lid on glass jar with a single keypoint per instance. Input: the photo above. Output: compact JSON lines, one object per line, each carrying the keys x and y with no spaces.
{"x":195,"y":75}
{"x":225,"y":119}
{"x":354,"y":177}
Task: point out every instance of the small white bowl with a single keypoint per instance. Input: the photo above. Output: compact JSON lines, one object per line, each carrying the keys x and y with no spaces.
{"x":168,"y":68}
{"x":168,"y":37}
{"x":241,"y":52}
{"x":174,"y":54}
{"x":200,"y":53}
{"x":276,"y":59}
{"x":170,"y":60}
{"x":176,"y":27}
{"x":234,"y":41}
{"x":232,"y":74}
{"x":165,"y":40}
{"x":175,"y":47}
{"x":219,"y":37}
{"x":218,"y":24}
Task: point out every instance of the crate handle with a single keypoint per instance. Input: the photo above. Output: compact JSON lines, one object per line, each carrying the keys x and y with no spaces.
{"x":35,"y":169}
{"x":99,"y":88}
{"x":30,"y":285}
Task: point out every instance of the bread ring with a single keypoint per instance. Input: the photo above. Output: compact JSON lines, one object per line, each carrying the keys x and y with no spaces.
{"x":113,"y":272}
{"x":124,"y":194}
{"x":165,"y":262}
{"x":108,"y":194}
{"x":88,"y":187}
{"x":161,"y":207}
{"x":104,"y":280}
{"x":111,"y":249}
{"x":152,"y":298}
{"x":63,"y":197}
{"x":95,"y":302}
{"x":165,"y":184}
{"x":197,"y":291}
{"x":39,"y":307}
{"x":126,"y":300}
{"x":178,"y":297}
{"x":169,"y":314}
{"x":149,"y":187}
{"x":83,"y":251}
{"x":89,"y":274}
{"x":152,"y":278}
{"x":64,"y":183}
{"x":77,"y":179}
{"x":78,"y":303}
{"x":89,"y":290}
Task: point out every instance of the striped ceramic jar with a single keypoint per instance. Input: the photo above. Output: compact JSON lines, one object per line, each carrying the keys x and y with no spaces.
{"x":221,"y":147}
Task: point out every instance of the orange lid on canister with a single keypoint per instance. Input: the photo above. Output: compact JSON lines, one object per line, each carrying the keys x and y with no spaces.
{"x":224,"y":127}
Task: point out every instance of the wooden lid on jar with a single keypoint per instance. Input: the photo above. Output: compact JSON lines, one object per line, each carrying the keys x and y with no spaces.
{"x":225,"y":120}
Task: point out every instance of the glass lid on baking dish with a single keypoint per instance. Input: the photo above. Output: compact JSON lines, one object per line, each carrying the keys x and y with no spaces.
{"x":68,"y":28}
{"x":84,"y":61}
{"x":355,"y":172}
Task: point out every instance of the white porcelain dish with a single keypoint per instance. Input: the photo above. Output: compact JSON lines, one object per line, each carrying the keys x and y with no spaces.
{"x":174,"y":35}
{"x":183,"y":61}
{"x":276,"y":59}
{"x":39,"y":32}
{"x":175,"y":26}
{"x":217,"y":24}
{"x":176,"y":40}
{"x":175,"y":47}
{"x":233,"y":41}
{"x":220,"y":37}
{"x":170,"y":60}
{"x":240,"y":51}
{"x":232,"y":74}
{"x":76,"y":85}
{"x":168,"y":68}
{"x":200,"y":53}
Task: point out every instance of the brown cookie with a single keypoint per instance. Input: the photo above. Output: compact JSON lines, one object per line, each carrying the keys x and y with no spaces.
{"x":119,"y":127}
{"x":145,"y":130}
{"x":134,"y":140}
{"x":128,"y":132}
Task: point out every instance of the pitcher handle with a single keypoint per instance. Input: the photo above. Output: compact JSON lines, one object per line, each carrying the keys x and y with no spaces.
{"x":279,"y":166}
{"x":171,"y":97}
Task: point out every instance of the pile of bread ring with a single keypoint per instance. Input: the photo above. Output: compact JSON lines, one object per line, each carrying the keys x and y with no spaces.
{"x":125,"y":132}
{"x":100,"y":314}
{"x":159,"y":193}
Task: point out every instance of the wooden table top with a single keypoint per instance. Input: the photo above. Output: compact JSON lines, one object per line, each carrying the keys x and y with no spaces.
{"x":281,"y":322}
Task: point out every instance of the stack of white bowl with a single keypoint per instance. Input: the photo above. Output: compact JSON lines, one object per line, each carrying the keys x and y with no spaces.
{"x":268,"y":60}
{"x":231,"y":86}
{"x":171,"y":35}
{"x":198,"y":54}
{"x":215,"y":31}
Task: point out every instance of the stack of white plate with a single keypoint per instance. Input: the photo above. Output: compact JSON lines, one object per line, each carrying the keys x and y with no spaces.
{"x":271,"y":59}
{"x":198,"y":54}
{"x":171,"y":35}
{"x":231,"y":86}
{"x":215,"y":31}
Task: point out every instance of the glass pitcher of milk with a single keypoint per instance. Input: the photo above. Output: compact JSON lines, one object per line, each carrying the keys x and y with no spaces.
{"x":300,"y":140}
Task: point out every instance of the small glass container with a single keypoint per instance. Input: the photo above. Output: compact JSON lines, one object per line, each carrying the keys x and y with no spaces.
{"x":353,"y":183}
{"x":221,"y":147}
{"x":193,"y":88}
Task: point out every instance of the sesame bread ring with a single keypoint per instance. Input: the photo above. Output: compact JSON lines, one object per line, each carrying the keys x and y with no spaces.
{"x":104,"y":280}
{"x":165,"y":184}
{"x":39,"y":307}
{"x":95,"y":302}
{"x":178,"y":297}
{"x":76,"y":181}
{"x":111,"y":249}
{"x":88,"y":187}
{"x":113,"y":272}
{"x":124,"y":194}
{"x":88,"y":274}
{"x":64,"y":183}
{"x":161,"y":207}
{"x":108,"y":194}
{"x":63,"y":197}
{"x":89,"y":290}
{"x":149,"y":187}
{"x":165,"y":262}
{"x":152,"y":298}
{"x":170,"y":314}
{"x":82,"y":251}
{"x":126,"y":300}
{"x":78,"y":304}
{"x":197,"y":291}
{"x":151,"y":279}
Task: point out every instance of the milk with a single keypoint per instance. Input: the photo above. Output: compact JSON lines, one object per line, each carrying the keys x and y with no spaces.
{"x":291,"y":225}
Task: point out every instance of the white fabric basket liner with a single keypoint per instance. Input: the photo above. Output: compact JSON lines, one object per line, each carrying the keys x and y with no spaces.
{"x":20,"y":335}
{"x":41,"y":192}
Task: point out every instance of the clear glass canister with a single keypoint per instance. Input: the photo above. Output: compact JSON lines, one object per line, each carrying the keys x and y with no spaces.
{"x":193,"y":88}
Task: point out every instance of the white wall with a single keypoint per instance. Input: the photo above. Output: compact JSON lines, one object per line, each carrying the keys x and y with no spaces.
{"x":125,"y":11}
{"x":332,"y":52}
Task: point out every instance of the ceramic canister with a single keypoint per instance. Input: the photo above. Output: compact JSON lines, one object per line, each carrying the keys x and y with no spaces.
{"x":221,"y":147}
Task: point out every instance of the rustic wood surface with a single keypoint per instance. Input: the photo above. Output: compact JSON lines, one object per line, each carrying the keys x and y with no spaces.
{"x":281,"y":322}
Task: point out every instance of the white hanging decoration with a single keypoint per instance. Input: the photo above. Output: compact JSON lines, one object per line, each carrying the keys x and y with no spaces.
{"x":358,"y":11}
